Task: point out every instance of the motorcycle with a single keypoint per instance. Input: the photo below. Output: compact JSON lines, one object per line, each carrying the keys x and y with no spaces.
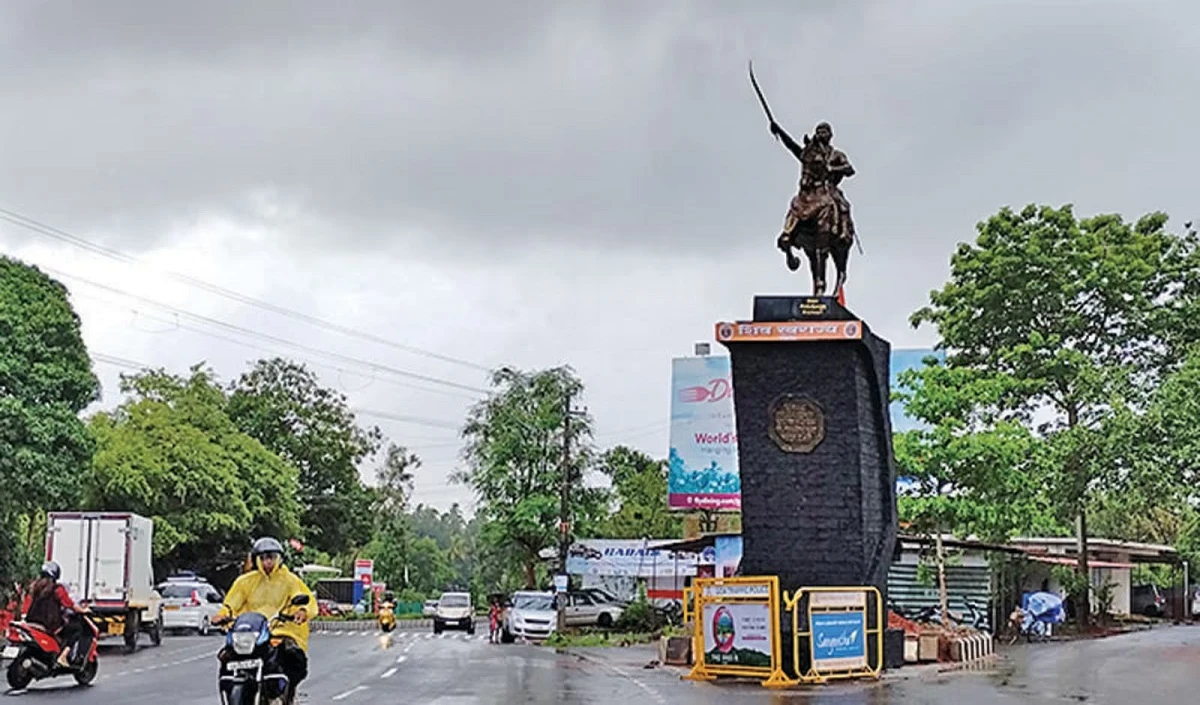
{"x":387,"y":617}
{"x":249,"y":673}
{"x":34,"y":653}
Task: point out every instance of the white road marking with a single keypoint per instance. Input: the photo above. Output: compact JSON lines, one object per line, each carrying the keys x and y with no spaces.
{"x":348,"y":693}
{"x":401,"y":659}
{"x":389,"y":673}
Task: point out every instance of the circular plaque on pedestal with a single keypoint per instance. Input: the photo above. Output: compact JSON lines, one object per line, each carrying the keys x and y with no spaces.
{"x":797,"y":423}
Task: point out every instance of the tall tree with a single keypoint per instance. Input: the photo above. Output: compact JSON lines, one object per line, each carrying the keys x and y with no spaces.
{"x":515,"y":462}
{"x":171,"y":453}
{"x":640,"y":488}
{"x":46,"y":380}
{"x":1069,"y":313}
{"x":282,"y":404}
{"x":972,"y":474}
{"x":391,"y":544}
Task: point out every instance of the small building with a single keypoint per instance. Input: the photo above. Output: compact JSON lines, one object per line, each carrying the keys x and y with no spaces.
{"x":1109,"y":562}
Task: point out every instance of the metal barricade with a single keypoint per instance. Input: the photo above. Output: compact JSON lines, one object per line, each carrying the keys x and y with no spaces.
{"x":737,"y":630}
{"x":834,"y":623}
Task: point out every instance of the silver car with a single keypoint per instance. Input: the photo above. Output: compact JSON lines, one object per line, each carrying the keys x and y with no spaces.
{"x":189,"y":604}
{"x":533,"y":616}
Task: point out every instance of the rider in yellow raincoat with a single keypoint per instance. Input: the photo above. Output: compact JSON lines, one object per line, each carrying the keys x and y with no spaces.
{"x":268,"y":589}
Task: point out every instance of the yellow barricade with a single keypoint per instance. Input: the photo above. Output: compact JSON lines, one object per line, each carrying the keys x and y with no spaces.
{"x":689,"y":611}
{"x":737,"y":630}
{"x":835,"y":625}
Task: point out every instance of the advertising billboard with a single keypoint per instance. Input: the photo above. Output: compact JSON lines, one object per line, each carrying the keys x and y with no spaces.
{"x":839,"y":640}
{"x":703,"y":470}
{"x":628,"y":557}
{"x":738,"y":634}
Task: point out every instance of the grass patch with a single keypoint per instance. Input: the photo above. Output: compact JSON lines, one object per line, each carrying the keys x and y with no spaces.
{"x":585,"y":638}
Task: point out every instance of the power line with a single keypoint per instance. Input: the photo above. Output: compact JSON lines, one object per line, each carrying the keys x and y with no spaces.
{"x":63,"y":236}
{"x":212,"y":334}
{"x":420,"y":421}
{"x":266,"y":336}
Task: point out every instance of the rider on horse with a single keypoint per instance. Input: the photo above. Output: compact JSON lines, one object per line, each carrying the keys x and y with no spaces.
{"x":818,"y":220}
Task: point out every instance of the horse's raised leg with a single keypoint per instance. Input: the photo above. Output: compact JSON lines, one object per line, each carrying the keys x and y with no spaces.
{"x":785,"y":243}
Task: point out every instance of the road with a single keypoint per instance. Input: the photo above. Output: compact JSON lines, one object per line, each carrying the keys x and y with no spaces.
{"x":417,"y":668}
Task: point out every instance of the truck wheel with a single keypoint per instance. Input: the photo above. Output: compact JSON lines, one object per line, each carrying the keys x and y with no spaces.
{"x":19,"y":677}
{"x":133,"y":626}
{"x":156,"y":632}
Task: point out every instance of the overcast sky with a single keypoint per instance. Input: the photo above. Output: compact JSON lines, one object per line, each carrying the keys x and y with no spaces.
{"x":536,"y":183}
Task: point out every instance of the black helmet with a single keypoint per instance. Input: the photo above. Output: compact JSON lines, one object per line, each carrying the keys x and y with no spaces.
{"x":51,"y":570}
{"x":266,"y":545}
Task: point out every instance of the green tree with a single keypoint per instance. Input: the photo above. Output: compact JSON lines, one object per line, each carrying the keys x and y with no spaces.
{"x":640,"y":488}
{"x":46,"y":380}
{"x":429,"y":569}
{"x":1069,"y":315}
{"x":390,"y":545}
{"x":171,"y":453}
{"x":281,"y":404}
{"x":514,"y":454}
{"x":971,"y":474}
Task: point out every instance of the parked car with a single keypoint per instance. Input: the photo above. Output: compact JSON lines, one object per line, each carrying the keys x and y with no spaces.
{"x":531,"y":616}
{"x":189,"y":602}
{"x":454,"y":611}
{"x":583,"y":610}
{"x":1148,"y":600}
{"x":601,"y":595}
{"x":429,"y":608}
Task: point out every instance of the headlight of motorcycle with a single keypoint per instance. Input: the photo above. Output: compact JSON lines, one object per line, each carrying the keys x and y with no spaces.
{"x":244,"y":642}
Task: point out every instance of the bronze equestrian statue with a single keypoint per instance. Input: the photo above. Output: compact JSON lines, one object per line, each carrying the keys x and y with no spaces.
{"x":818,"y":220}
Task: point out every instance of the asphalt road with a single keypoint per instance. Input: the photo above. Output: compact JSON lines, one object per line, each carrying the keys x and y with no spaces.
{"x":415,"y":668}
{"x":1161,"y":666}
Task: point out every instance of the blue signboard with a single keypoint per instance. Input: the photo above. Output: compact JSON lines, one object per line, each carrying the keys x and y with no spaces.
{"x":839,"y":640}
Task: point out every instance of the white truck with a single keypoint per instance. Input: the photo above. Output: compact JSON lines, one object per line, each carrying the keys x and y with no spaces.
{"x":106,"y":564}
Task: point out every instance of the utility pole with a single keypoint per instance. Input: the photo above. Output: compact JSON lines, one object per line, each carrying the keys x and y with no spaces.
{"x":564,"y":514}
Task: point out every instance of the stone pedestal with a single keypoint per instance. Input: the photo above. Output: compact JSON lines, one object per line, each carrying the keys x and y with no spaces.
{"x":818,"y":481}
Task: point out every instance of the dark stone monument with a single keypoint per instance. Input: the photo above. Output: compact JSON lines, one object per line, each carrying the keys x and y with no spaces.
{"x":811,"y":397}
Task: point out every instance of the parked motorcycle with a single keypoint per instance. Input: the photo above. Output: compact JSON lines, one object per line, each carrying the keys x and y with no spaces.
{"x":34,"y":653}
{"x":249,"y":673}
{"x":387,"y":617}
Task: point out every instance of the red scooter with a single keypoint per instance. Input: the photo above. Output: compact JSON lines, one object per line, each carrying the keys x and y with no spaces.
{"x":34,"y":653}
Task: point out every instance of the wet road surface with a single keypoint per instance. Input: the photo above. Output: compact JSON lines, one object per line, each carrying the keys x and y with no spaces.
{"x":418,"y":668}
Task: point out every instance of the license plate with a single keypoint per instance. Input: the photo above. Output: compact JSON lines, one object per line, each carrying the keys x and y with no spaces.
{"x":10,"y":652}
{"x":248,"y":665}
{"x":170,"y":608}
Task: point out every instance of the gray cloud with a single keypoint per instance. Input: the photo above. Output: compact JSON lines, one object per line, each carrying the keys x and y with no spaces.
{"x":545,"y":182}
{"x":624,"y":124}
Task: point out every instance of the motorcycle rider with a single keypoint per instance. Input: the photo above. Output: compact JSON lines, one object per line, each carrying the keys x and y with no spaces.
{"x":268,"y":589}
{"x":45,"y":604}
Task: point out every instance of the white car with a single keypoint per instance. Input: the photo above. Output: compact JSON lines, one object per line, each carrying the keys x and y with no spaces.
{"x":429,"y":608}
{"x":532,"y":616}
{"x":190,"y":604}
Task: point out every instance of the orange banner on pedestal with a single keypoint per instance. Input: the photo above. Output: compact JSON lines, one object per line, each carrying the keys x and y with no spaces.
{"x":780,"y":331}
